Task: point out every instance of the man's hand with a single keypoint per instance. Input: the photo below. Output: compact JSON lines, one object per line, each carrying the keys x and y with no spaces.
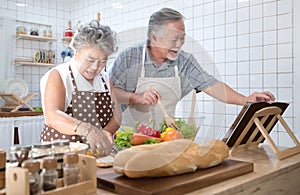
{"x":148,"y":97}
{"x":265,"y":96}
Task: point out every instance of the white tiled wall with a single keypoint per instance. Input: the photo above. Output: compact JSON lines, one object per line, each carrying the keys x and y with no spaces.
{"x":249,"y":44}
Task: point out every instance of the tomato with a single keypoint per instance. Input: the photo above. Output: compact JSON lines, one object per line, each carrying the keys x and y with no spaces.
{"x":171,"y":134}
{"x":148,"y":131}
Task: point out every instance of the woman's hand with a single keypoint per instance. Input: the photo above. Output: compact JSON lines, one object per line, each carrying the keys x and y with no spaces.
{"x":100,"y":141}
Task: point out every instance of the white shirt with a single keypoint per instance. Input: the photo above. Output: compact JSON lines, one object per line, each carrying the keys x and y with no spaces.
{"x":81,"y":82}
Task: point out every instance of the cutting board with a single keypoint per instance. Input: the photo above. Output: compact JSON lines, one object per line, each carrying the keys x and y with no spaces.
{"x":179,"y":184}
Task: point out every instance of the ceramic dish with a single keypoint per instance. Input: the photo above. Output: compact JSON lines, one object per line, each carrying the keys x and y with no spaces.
{"x":15,"y":85}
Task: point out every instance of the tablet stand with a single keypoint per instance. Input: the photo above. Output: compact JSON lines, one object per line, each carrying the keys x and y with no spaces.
{"x":251,"y":131}
{"x":12,"y":102}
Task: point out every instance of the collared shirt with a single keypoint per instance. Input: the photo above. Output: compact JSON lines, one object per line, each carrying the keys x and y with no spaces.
{"x":126,"y":70}
{"x":81,"y":82}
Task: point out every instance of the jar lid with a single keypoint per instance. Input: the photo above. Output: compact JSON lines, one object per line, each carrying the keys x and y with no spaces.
{"x":71,"y":157}
{"x":41,"y":145}
{"x":20,"y":148}
{"x":61,"y":142}
{"x":33,"y":166}
{"x":49,"y":163}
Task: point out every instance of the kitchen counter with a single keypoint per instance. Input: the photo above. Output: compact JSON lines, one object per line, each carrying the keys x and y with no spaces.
{"x":270,"y":175}
{"x":19,"y":114}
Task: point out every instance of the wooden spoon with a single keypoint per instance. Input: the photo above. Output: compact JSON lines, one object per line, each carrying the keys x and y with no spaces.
{"x":169,"y":121}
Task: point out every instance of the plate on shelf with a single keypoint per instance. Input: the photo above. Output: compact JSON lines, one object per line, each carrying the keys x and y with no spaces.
{"x":15,"y":85}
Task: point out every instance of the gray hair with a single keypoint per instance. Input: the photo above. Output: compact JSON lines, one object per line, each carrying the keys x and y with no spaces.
{"x":94,"y":35}
{"x":160,"y":18}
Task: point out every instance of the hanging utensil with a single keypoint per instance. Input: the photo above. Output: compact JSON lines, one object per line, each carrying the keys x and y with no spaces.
{"x":191,"y":119}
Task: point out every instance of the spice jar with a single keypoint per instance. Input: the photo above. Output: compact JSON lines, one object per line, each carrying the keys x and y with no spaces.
{"x":34,"y":31}
{"x":71,"y":168}
{"x":21,"y":30}
{"x":33,"y":167}
{"x":47,"y":32}
{"x":19,"y":153}
{"x":60,"y":147}
{"x":40,"y":150}
{"x":49,"y":174}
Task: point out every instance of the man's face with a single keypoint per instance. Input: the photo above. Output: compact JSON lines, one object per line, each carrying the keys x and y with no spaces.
{"x":170,"y":39}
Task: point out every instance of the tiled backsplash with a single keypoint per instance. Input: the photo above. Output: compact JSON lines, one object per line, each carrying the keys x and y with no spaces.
{"x":250,"y":45}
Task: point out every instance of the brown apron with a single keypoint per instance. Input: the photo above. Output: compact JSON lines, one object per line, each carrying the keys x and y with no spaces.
{"x":95,"y":108}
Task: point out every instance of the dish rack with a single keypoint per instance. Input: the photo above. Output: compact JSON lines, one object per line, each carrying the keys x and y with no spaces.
{"x":17,"y":176}
{"x":12,"y":102}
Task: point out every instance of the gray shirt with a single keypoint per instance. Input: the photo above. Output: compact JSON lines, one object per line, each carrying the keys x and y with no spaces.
{"x":127,"y":67}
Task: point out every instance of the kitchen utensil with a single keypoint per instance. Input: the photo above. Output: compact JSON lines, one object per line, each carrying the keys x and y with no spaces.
{"x":169,"y":121}
{"x":191,"y":117}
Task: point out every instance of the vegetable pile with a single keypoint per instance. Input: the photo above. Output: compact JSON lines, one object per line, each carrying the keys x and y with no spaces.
{"x":142,"y":134}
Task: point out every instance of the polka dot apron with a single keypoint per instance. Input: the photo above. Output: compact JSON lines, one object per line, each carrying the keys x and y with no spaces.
{"x":91,"y":107}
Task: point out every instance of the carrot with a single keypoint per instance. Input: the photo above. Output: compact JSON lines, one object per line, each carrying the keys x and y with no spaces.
{"x":137,"y":139}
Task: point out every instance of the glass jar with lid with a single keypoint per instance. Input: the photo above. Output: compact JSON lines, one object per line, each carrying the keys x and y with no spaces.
{"x":60,"y":147}
{"x":40,"y":150}
{"x":33,"y":167}
{"x":47,"y":32}
{"x":21,"y":30}
{"x":49,"y":174}
{"x":34,"y":31}
{"x":19,"y":153}
{"x":71,"y":168}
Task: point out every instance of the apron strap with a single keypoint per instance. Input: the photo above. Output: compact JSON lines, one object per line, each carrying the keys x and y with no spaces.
{"x":104,"y":83}
{"x":73,"y":79}
{"x":176,"y":71}
{"x":143,"y":61}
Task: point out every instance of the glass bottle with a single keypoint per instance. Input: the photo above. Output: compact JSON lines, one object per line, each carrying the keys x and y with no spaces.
{"x":68,"y":31}
{"x":41,"y":150}
{"x":71,"y":168}
{"x":33,"y":167}
{"x":60,"y":147}
{"x":49,"y":174}
{"x":19,"y":153}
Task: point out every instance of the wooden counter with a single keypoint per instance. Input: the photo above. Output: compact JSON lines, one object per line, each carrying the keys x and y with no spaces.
{"x":19,"y":114}
{"x":270,"y":176}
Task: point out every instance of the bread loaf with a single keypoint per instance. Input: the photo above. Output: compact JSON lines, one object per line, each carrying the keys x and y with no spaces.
{"x":169,"y":158}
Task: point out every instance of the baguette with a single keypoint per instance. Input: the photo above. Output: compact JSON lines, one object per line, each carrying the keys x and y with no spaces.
{"x":169,"y":158}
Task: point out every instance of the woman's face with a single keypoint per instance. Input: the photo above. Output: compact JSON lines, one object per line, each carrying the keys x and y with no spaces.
{"x":90,"y":61}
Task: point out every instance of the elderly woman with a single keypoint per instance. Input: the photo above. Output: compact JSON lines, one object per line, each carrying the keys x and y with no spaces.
{"x":77,"y":97}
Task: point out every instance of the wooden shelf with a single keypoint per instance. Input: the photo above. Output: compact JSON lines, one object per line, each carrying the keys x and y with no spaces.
{"x":33,"y":63}
{"x":36,"y":38}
